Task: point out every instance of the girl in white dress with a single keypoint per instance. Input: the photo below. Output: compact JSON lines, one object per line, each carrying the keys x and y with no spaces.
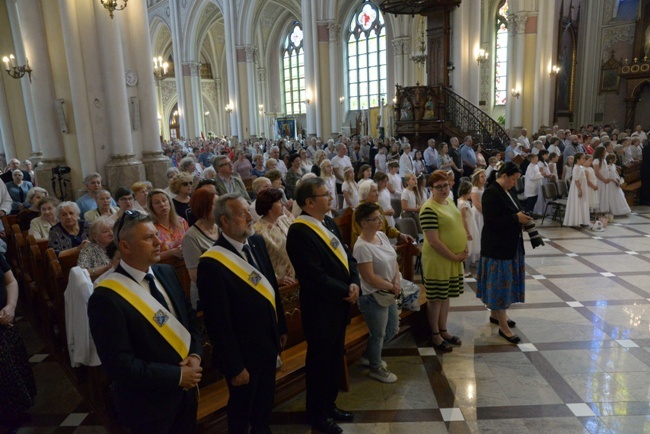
{"x":479,"y":178}
{"x":577,"y":208}
{"x":411,"y":200}
{"x":380,"y":160}
{"x":327,"y":173}
{"x":350,"y":189}
{"x":553,"y":158}
{"x":384,"y":197}
{"x":617,"y":203}
{"x":602,"y":178}
{"x":394,"y":180}
{"x":473,"y":235}
{"x":567,"y":172}
{"x":545,"y":170}
{"x":592,"y":190}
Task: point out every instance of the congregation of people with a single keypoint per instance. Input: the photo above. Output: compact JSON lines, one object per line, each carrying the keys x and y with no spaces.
{"x":251,"y":217}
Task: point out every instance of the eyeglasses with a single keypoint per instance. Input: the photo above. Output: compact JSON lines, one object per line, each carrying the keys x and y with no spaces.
{"x":226,"y":164}
{"x":377,"y":219}
{"x":328,"y":194}
{"x":441,"y":187}
{"x":186,"y":184}
{"x":131,"y":214}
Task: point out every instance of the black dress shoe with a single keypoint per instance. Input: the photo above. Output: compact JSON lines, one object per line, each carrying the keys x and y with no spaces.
{"x":511,"y":323}
{"x":340,"y":415}
{"x":514,"y":339}
{"x":327,"y":426}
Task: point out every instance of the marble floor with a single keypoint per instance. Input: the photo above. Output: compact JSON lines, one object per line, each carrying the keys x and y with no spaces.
{"x":583,"y":365}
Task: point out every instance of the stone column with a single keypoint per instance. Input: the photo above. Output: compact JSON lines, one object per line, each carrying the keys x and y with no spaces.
{"x":310,"y":42}
{"x":263,"y":100}
{"x":589,"y":64}
{"x":193,"y":103}
{"x":177,"y":46}
{"x":400,"y":51}
{"x":6,"y":131}
{"x":155,"y":163}
{"x":335,"y":93}
{"x":123,"y":168}
{"x":519,"y":60}
{"x":510,"y":106}
{"x":229,"y":12}
{"x":251,"y":52}
{"x":221,"y":122}
{"x":32,"y":28}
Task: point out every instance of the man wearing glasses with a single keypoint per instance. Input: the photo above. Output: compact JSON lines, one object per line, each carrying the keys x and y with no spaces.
{"x":329,"y":284}
{"x":147,"y":334}
{"x":226,"y":181}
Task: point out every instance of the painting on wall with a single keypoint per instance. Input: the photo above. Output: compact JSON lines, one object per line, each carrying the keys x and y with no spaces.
{"x":609,"y":78}
{"x":286,"y":127}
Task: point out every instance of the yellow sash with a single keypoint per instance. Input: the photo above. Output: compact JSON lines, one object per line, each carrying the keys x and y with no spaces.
{"x":335,"y":245}
{"x":245,"y":271}
{"x":160,"y":318}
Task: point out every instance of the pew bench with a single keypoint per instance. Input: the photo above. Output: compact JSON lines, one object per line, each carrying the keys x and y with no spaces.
{"x":632,"y":186}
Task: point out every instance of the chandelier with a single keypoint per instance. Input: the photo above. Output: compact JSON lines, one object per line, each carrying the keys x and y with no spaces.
{"x":420,"y":57}
{"x":112,"y":5}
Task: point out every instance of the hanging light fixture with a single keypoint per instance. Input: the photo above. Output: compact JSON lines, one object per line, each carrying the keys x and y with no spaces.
{"x":159,"y":68}
{"x":420,"y":57}
{"x":112,"y":6}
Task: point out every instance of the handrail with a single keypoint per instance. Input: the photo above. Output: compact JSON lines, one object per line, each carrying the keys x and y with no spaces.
{"x":471,"y":119}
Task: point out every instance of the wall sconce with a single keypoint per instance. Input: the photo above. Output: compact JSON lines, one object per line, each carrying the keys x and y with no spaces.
{"x":228,"y":108}
{"x":308,"y":97}
{"x":261,"y":108}
{"x":175,"y":118}
{"x":482,"y":56}
{"x":206,"y":114}
{"x":112,"y":5}
{"x":159,"y":68}
{"x":16,"y":71}
{"x":515,"y":92}
{"x":554,"y":70}
{"x":341,"y":99}
{"x":394,"y":100}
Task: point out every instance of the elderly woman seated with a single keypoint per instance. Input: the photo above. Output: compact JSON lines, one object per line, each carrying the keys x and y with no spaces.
{"x":39,"y":227}
{"x":93,"y":256}
{"x":141,"y":190}
{"x":369,"y":192}
{"x":273,"y":226}
{"x":18,"y":190}
{"x":71,"y":233}
{"x":259,"y":184}
{"x":104,"y":208}
{"x":25,"y":217}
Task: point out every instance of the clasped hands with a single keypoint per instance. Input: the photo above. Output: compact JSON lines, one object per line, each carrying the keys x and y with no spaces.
{"x":353,"y":293}
{"x":190,"y":372}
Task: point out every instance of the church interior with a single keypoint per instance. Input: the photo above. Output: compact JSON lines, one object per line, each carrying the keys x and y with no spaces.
{"x":90,"y":89}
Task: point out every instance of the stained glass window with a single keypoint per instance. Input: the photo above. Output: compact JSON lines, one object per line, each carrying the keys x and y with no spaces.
{"x":366,"y":58}
{"x":293,"y":71}
{"x":501,"y":57}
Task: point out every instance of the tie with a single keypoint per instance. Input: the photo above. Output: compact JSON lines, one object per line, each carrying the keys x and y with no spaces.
{"x":249,"y":256}
{"x":154,"y":291}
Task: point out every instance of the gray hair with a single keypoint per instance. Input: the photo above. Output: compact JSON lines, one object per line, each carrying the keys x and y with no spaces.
{"x":127,"y":225}
{"x":91,"y":176}
{"x":16,"y":171}
{"x":185,"y":163}
{"x":364,"y":189}
{"x":209,"y":172}
{"x":32,"y":192}
{"x":99,"y":224}
{"x":221,"y":208}
{"x":216,"y":161}
{"x":171,"y":170}
{"x":66,"y":204}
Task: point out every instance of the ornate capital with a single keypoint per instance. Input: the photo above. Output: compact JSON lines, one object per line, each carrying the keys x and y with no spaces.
{"x":520,"y":21}
{"x":401,"y":45}
{"x":334,"y":31}
{"x":251,"y":51}
{"x":217,"y":82}
{"x":194,"y":68}
{"x":511,"y":24}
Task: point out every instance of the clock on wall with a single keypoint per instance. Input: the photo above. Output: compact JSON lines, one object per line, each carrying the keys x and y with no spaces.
{"x":131,"y":77}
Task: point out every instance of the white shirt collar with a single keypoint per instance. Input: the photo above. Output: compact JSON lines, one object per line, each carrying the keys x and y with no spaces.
{"x":238,"y":245}
{"x":138,"y":275}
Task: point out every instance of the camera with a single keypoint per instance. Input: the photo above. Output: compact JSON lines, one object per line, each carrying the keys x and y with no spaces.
{"x":61,"y":170}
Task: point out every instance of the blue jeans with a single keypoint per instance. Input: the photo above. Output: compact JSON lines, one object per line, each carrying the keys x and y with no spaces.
{"x":383,"y":324}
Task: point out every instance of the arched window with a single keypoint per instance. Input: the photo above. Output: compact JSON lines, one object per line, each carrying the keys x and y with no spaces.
{"x":367,"y":76}
{"x":293,"y":71}
{"x":501,"y":56}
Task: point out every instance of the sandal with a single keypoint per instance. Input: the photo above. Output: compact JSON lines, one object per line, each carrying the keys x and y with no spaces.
{"x":443,"y":346}
{"x":453,"y":340}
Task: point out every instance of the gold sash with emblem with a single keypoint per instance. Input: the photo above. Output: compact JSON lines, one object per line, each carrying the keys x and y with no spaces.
{"x":155,"y":313}
{"x":245,"y":271}
{"x":328,"y":238}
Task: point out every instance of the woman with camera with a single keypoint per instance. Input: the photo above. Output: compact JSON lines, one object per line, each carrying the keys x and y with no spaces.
{"x":501,"y":269}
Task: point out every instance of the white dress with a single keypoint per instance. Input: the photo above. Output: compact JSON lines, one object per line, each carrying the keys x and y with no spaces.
{"x":353,"y":189}
{"x":617,"y":203}
{"x":478,"y":215}
{"x":603,"y":194}
{"x":541,"y":202}
{"x":331,"y":185}
{"x":592,"y":195}
{"x":577,"y":208}
{"x":384,"y":203}
{"x":473,"y":246}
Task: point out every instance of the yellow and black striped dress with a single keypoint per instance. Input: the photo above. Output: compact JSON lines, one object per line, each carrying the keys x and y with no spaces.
{"x":442,"y":277}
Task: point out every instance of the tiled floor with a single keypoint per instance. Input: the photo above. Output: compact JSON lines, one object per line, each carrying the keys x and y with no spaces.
{"x":583,"y":365}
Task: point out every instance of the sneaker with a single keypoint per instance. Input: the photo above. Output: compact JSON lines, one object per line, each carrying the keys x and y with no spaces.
{"x":363,"y":361}
{"x":382,"y":375}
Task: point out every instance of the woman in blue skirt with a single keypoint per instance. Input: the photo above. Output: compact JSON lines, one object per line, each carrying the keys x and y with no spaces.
{"x":501,"y":268}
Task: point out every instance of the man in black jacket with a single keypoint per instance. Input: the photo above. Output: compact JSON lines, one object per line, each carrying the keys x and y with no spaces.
{"x":147,"y":335}
{"x":243,"y":315}
{"x":329,"y":284}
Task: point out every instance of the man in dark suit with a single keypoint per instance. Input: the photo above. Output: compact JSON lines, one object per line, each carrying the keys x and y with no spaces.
{"x":243,"y":315}
{"x":226,"y":181}
{"x":14,"y":164}
{"x":329,"y":284}
{"x":154,"y":377}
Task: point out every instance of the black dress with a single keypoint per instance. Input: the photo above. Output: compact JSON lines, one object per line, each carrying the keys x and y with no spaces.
{"x":17,"y":385}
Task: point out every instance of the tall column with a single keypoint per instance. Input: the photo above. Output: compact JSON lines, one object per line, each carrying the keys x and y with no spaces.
{"x":221,"y":122}
{"x":16,"y":34}
{"x":400,"y":50}
{"x":520,"y":50}
{"x":251,"y":52}
{"x":192,"y":99}
{"x":78,"y":90}
{"x":263,"y":100}
{"x":32,"y":28}
{"x":6,"y":131}
{"x":177,"y":44}
{"x":589,"y":65}
{"x":123,"y":168}
{"x":511,"y":79}
{"x":155,"y":163}
{"x":335,"y":89}
{"x":310,"y":41}
{"x":229,"y":12}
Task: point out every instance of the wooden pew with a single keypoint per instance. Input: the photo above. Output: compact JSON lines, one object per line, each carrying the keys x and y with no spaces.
{"x":46,"y":306}
{"x":12,"y":255}
{"x":632,"y":185}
